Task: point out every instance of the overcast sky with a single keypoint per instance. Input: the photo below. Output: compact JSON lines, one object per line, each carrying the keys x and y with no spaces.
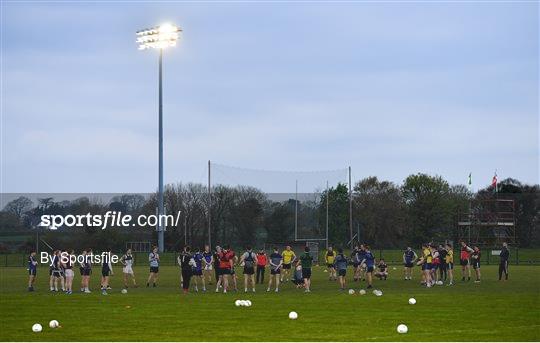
{"x":389,"y":89}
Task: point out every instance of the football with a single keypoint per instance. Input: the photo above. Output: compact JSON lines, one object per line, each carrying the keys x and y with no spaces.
{"x":53,"y":324}
{"x":402,"y":328}
{"x":293,"y":315}
{"x":37,"y":328}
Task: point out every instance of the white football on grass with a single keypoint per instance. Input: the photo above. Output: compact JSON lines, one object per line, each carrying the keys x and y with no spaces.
{"x":402,"y":328}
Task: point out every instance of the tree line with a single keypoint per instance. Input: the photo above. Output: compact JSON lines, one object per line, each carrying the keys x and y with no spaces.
{"x":386,"y":215}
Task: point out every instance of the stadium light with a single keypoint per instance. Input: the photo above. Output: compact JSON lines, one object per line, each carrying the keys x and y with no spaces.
{"x":160,"y":37}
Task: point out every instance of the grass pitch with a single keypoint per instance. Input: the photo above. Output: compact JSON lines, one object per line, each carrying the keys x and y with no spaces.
{"x":489,"y":311}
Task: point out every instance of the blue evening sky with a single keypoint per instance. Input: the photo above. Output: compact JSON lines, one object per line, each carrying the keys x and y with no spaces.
{"x":387,"y":88}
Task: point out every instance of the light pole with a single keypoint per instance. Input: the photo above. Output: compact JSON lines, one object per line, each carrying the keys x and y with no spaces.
{"x":159,"y":37}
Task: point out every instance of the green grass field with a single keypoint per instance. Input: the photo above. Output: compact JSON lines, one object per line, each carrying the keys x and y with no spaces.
{"x":489,"y":311}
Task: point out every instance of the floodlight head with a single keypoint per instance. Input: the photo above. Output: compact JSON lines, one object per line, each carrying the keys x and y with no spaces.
{"x":159,"y":37}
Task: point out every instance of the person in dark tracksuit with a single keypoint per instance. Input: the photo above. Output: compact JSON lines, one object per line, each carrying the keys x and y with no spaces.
{"x":186,"y":264}
{"x":443,"y":266}
{"x":503,"y":264}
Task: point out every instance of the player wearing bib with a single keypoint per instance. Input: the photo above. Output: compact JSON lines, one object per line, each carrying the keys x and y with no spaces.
{"x":68,"y":271}
{"x":32,"y":271}
{"x":276,"y":262}
{"x":475,"y":259}
{"x":330,"y":258}
{"x":425,"y":262}
{"x":127,"y":270}
{"x":225,"y":266}
{"x":153,"y":259}
{"x":306,"y":261}
{"x":198,"y":270}
{"x":341,"y":266}
{"x":435,"y":264}
{"x":248,"y":260}
{"x":369,"y":260}
{"x":288,"y":258}
{"x":450,"y":263}
{"x":262,"y":260}
{"x":464,"y":260}
{"x":409,"y":257}
{"x":208,"y":265}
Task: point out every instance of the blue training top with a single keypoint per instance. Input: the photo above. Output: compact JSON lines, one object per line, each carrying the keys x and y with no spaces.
{"x":370,"y":259}
{"x":198,"y":257}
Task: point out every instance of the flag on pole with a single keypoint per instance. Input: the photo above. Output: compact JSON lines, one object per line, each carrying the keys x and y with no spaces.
{"x":470,"y":180}
{"x":494,"y":183}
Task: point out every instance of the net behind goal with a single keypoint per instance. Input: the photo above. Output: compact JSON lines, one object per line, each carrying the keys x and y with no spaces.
{"x":273,"y":206}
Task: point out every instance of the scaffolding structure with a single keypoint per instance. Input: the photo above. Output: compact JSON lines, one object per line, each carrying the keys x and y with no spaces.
{"x":488,"y":223}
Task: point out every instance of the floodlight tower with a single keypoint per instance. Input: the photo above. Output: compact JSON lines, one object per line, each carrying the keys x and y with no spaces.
{"x":159,"y":37}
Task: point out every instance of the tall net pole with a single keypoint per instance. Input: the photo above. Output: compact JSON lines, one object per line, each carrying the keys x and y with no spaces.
{"x":296,"y":212}
{"x":350,"y":209}
{"x":327,"y":206}
{"x":209,"y":208}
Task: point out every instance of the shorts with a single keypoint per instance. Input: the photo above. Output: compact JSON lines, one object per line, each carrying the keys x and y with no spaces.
{"x":476,"y":265}
{"x":81,"y":270}
{"x":286,"y":266}
{"x":127,"y":270}
{"x":329,"y":265}
{"x":69,"y":273}
{"x":105,"y":272}
{"x":87,"y":272}
{"x":249,"y":270}
{"x":356,"y":264}
{"x":450,"y":265}
{"x":275,"y":271}
{"x":464,"y":262}
{"x":435,"y":266}
{"x":426,"y":266}
{"x":370,"y":269}
{"x":32,"y":271}
{"x":408,"y":264}
{"x":306,"y":273}
{"x":224,"y":271}
{"x":197,"y":272}
{"x":154,"y":269}
{"x":208,"y":267}
{"x":342,"y":272}
{"x":56,"y":273}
